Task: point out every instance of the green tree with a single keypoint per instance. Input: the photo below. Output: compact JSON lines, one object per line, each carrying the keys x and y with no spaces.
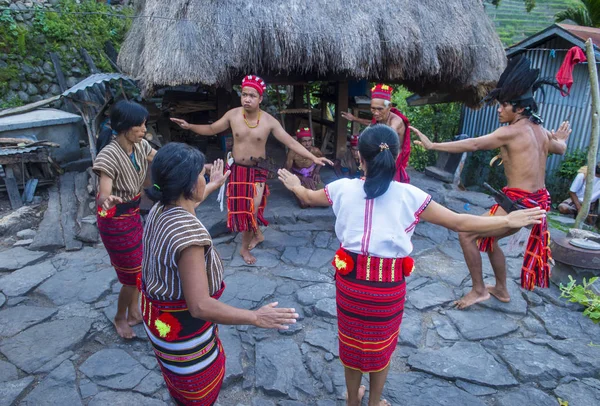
{"x":586,"y":13}
{"x":529,"y":4}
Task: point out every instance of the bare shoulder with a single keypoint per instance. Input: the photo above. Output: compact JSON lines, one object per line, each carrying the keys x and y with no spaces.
{"x":267,"y":117}
{"x":316,"y":152}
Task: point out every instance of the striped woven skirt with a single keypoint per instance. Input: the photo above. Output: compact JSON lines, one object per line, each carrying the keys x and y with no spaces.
{"x":121,"y":231}
{"x":188,"y":350}
{"x":369,"y":312}
{"x":241,"y":190}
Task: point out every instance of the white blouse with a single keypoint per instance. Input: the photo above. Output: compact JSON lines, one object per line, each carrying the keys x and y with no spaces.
{"x":380,"y":227}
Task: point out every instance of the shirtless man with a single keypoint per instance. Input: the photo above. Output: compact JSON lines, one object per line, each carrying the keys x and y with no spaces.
{"x":524,"y":147}
{"x":247,"y":190}
{"x":384,"y":113}
{"x":305,"y":168}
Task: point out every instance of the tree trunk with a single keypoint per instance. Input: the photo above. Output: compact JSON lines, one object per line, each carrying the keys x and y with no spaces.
{"x":593,"y":149}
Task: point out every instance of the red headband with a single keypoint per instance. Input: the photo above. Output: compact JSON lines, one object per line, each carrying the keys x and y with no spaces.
{"x":254,"y":82}
{"x":303,"y":133}
{"x":354,"y":140}
{"x":382,"y":91}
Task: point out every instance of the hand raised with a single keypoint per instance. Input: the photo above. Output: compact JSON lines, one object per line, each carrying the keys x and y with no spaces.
{"x":270,"y":316}
{"x":347,"y":116}
{"x":563,"y":132}
{"x":423,"y":140}
{"x":524,"y":218}
{"x":216,"y":173}
{"x":181,"y":123}
{"x":288,"y":179}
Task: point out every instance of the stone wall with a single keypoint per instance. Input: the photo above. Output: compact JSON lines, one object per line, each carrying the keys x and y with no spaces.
{"x":31,"y":74}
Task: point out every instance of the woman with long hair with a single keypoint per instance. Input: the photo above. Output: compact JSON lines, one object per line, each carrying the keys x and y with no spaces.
{"x":182,"y":280}
{"x":121,"y":166}
{"x":375,"y":219}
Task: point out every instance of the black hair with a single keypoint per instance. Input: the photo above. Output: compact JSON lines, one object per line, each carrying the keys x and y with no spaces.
{"x":175,"y":170}
{"x":104,"y":138}
{"x":598,"y":169}
{"x":378,"y":146}
{"x":517,"y":86}
{"x":123,"y":116}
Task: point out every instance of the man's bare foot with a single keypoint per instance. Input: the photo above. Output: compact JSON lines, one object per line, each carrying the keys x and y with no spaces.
{"x":470,"y":299}
{"x":257,"y":239}
{"x":361,"y":394}
{"x":500,"y":294}
{"x":382,"y":402}
{"x":124,"y":329}
{"x":248,"y":257}
{"x":134,"y":318}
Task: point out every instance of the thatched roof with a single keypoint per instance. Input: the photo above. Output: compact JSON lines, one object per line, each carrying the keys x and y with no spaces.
{"x":427,"y":45}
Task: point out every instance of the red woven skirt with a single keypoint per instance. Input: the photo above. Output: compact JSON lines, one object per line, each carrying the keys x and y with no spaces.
{"x":369,"y":318}
{"x":241,"y":190}
{"x":121,"y":232}
{"x":188,"y":350}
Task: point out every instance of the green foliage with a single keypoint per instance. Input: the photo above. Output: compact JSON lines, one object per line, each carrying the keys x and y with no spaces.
{"x":65,"y":32}
{"x":584,"y":12}
{"x":12,"y":102}
{"x":559,"y":182}
{"x":583,"y":295}
{"x":529,"y":4}
{"x":440,"y":122}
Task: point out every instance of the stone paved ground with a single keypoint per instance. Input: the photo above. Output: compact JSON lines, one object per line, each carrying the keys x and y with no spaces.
{"x":58,"y":346}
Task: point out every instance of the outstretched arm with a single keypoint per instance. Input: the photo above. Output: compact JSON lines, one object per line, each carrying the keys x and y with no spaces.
{"x":437,"y":214}
{"x":218,"y":126}
{"x":486,"y":142}
{"x":558,"y":139}
{"x":306,"y":196}
{"x":217,"y":178}
{"x":294,"y":145}
{"x":351,"y":117}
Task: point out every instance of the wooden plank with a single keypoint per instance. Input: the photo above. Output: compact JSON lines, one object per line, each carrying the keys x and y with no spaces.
{"x":89,"y":61}
{"x":341,"y":125}
{"x":12,"y":188}
{"x":60,"y":77}
{"x":28,"y":107}
{"x":68,"y":211}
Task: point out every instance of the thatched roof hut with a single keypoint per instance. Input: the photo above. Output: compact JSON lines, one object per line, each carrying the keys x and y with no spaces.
{"x":446,"y":46}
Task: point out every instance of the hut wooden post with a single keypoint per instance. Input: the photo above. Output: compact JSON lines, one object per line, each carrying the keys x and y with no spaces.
{"x":341,"y":125}
{"x":593,"y":149}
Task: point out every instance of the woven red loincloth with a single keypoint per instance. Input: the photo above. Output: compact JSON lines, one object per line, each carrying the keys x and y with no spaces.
{"x":241,"y":190}
{"x":188,"y":350}
{"x":536,"y":269}
{"x":121,"y":231}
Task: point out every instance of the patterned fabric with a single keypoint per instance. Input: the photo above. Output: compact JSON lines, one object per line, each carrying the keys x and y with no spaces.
{"x":307,"y":177}
{"x":188,"y":350}
{"x":241,"y":190}
{"x":121,"y":232}
{"x":536,"y":269}
{"x":369,"y":318}
{"x":167,"y":233}
{"x":114,"y":162}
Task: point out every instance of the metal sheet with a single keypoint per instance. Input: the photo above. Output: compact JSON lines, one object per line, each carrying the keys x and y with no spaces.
{"x":95,"y":79}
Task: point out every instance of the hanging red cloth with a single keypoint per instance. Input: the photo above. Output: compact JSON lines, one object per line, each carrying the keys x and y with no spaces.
{"x":564,"y":77}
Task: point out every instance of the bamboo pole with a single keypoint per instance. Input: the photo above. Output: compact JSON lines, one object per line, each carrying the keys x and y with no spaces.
{"x":593,"y":149}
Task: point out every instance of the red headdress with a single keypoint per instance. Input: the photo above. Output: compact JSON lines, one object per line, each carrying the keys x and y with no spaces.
{"x":382,"y":91}
{"x":354,"y":140}
{"x":303,"y":133}
{"x":255,"y":82}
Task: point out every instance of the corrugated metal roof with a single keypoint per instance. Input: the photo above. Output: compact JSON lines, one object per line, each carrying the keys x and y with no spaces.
{"x":95,"y":79}
{"x":17,"y":151}
{"x":584,"y":32}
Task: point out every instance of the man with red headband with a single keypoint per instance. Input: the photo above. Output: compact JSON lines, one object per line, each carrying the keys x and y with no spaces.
{"x":384,"y":113}
{"x":349,"y":165}
{"x":304,"y":168}
{"x":247,"y":190}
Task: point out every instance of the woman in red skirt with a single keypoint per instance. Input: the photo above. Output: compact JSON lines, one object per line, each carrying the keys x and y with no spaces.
{"x":121,"y":165}
{"x":375,"y":219}
{"x":182,"y":280}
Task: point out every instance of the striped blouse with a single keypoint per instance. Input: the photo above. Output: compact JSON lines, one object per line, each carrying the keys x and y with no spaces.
{"x":166,"y":234}
{"x":114,"y":162}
